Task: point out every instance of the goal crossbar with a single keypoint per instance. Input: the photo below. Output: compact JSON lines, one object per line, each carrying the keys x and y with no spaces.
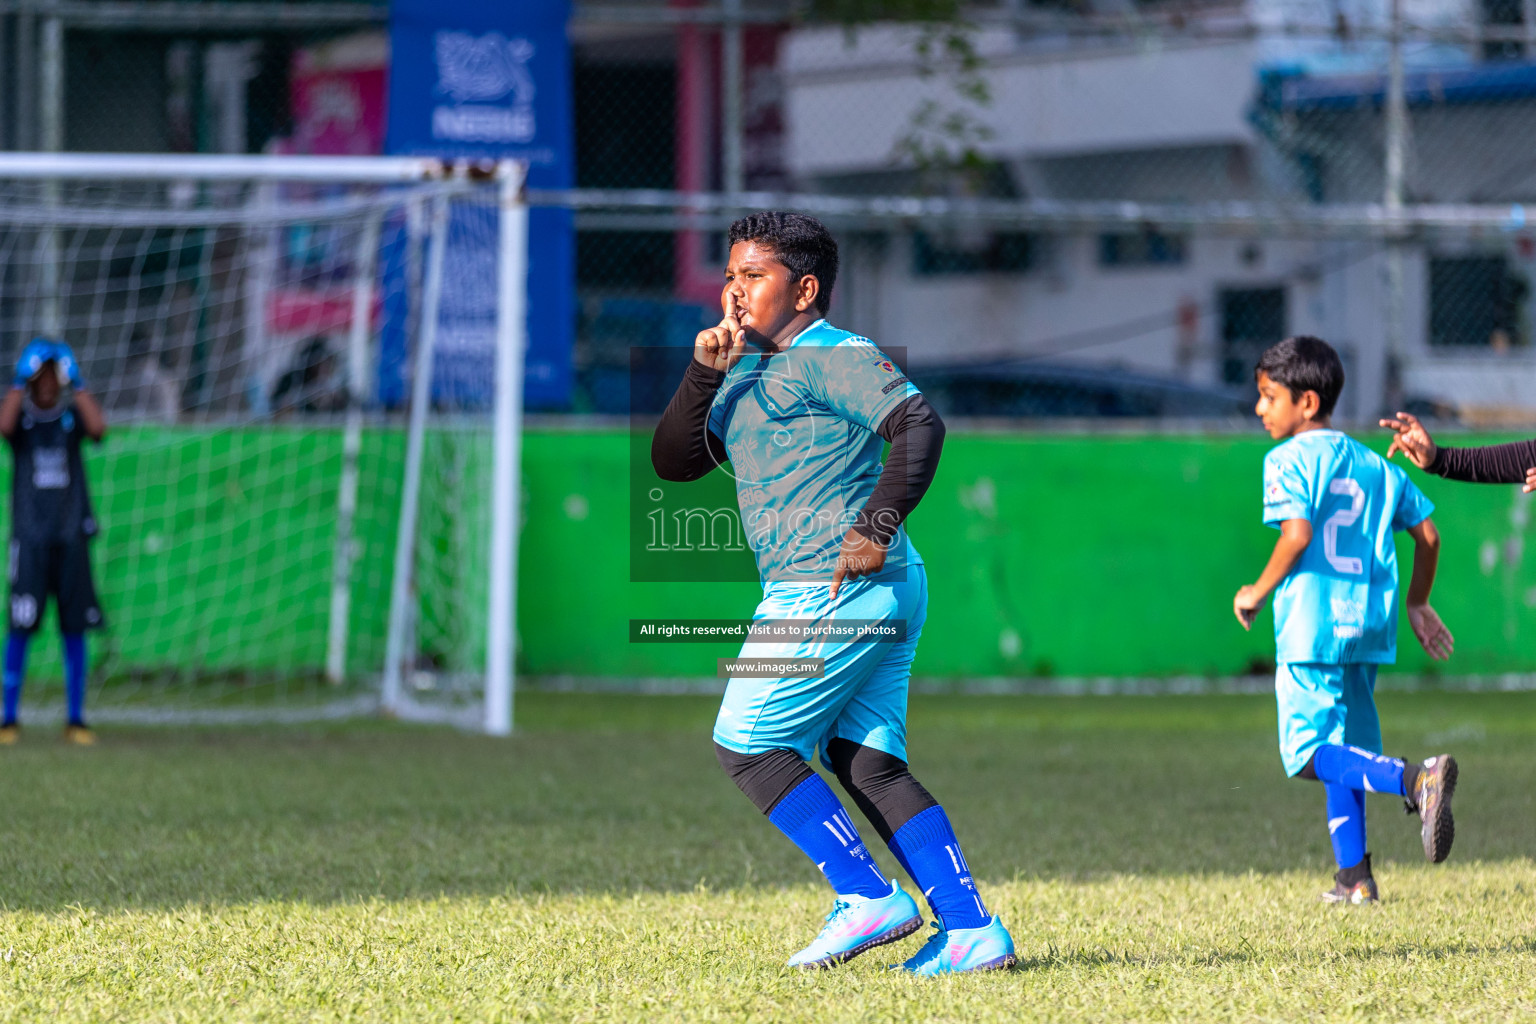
{"x":376,"y":170}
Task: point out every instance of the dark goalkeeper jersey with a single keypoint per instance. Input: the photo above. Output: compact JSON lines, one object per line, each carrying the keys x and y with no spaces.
{"x":49,"y":502}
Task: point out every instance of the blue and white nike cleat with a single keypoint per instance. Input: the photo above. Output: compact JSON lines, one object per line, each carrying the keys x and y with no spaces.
{"x":858,"y":924}
{"x":988,"y":948}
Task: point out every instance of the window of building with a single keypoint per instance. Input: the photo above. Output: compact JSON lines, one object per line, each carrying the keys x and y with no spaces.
{"x":1252,"y":319}
{"x":623,"y":140}
{"x":1503,"y":14}
{"x":973,"y":247}
{"x":1476,"y":301}
{"x":1148,"y":247}
{"x":986,"y":252}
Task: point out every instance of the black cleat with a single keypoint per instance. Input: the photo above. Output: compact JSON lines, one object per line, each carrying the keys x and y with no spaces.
{"x":1360,"y":893}
{"x":1432,"y":802}
{"x":1354,"y":886}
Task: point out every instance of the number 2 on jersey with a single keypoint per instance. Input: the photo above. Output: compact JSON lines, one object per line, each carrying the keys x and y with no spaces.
{"x":1343,"y":518}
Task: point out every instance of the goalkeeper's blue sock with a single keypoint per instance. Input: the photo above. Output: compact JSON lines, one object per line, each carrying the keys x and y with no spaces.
{"x":812,"y":817}
{"x":74,"y":676}
{"x":928,"y":845}
{"x":15,"y":672}
{"x":1346,"y":823}
{"x":1360,"y":769}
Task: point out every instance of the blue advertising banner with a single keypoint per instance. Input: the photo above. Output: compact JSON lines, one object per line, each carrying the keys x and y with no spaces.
{"x":487,"y":80}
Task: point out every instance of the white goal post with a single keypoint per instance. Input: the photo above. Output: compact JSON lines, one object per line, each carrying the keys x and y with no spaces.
{"x":186,"y":284}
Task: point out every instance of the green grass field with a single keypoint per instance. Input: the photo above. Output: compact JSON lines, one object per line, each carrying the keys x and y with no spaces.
{"x":1148,"y":854}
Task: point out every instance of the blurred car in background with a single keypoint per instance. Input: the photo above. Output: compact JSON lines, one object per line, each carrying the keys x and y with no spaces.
{"x":1027,"y":389}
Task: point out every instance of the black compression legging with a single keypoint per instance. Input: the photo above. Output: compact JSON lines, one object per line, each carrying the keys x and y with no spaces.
{"x":880,"y":784}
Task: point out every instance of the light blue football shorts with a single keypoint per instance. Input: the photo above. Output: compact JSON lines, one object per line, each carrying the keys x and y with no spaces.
{"x":1325,"y":705}
{"x":862,"y":695}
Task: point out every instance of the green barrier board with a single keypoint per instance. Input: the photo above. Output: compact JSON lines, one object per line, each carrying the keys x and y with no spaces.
{"x":1047,"y":555}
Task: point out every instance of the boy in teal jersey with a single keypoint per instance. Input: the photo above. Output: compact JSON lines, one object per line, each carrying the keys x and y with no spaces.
{"x":800,"y":411}
{"x":1333,"y":574}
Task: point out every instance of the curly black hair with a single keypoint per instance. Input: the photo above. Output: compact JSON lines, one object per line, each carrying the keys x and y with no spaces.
{"x":801,"y":243}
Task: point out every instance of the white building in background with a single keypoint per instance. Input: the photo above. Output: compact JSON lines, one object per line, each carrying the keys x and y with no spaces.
{"x":1232,"y":117}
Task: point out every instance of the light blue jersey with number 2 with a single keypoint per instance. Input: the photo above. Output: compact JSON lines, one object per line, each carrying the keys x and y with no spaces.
{"x":1339,"y":605}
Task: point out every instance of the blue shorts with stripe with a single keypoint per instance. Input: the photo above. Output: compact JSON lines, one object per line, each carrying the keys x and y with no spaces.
{"x":862,"y":694}
{"x":1325,"y":704}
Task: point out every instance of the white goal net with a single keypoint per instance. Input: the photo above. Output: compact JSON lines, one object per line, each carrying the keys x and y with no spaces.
{"x":306,"y":449}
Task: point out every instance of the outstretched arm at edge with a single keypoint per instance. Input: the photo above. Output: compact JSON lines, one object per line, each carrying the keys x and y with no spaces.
{"x":1491,"y":464}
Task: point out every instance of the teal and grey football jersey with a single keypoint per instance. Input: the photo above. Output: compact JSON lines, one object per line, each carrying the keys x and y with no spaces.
{"x":800,"y":427}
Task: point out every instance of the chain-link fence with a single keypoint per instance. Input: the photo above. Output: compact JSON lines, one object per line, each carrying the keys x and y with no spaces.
{"x":1124,"y":205}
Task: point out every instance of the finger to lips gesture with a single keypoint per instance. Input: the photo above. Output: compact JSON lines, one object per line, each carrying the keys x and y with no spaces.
{"x":721,"y":346}
{"x":1412,"y":440}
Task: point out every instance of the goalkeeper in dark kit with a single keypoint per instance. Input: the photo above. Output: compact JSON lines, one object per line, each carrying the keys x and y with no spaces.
{"x":45,"y":417}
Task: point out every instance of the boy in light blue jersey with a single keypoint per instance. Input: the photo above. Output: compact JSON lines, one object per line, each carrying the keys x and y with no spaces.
{"x":800,"y":411}
{"x":1334,"y":577}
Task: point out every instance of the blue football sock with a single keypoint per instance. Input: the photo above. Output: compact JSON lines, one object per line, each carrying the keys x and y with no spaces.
{"x":74,"y":676}
{"x":927,"y":847}
{"x":1346,"y":823}
{"x":811,"y":816}
{"x":901,"y":858}
{"x":1359,"y":769}
{"x":15,"y":672}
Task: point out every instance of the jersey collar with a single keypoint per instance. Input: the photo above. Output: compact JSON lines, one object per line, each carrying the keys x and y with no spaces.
{"x":822,"y":322}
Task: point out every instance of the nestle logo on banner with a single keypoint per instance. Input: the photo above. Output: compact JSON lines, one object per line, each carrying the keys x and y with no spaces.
{"x":479,"y":73}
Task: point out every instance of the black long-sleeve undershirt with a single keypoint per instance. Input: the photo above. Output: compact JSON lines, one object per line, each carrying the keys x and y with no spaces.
{"x":916,"y":434}
{"x":684,"y":449}
{"x":1490,"y":464}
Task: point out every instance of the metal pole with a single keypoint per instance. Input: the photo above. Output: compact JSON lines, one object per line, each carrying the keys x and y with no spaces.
{"x":1397,"y":114}
{"x":511,"y":337}
{"x":51,"y":116}
{"x":352,"y":444}
{"x":421,"y":401}
{"x":7,"y":115}
{"x":733,"y":173}
{"x":26,"y":70}
{"x":1396,"y":157}
{"x":51,"y":85}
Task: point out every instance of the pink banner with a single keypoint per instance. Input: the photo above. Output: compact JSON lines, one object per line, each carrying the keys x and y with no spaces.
{"x":338,"y":112}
